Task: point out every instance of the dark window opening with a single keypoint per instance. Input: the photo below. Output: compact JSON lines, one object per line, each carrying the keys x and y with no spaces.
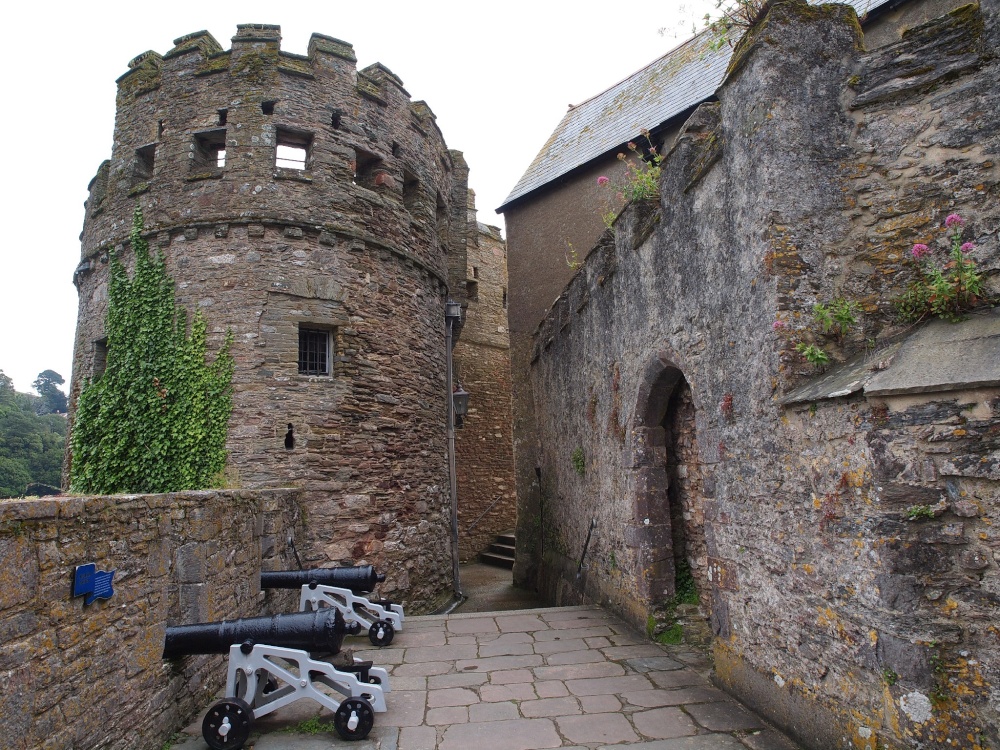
{"x":441,"y":213}
{"x":293,"y":149}
{"x":411,"y":190}
{"x":396,"y":150}
{"x":365,"y":164}
{"x":223,"y":116}
{"x":505,"y":298}
{"x":145,"y":158}
{"x":336,"y":119}
{"x":472,"y":291}
{"x":267,"y":108}
{"x":209,"y":150}
{"x":290,"y":437}
{"x":160,"y":128}
{"x":475,"y":272}
{"x":99,"y":358}
{"x":315,"y":352}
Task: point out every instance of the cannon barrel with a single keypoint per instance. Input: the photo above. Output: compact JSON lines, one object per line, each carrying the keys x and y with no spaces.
{"x":322,"y":631}
{"x":360,"y":579}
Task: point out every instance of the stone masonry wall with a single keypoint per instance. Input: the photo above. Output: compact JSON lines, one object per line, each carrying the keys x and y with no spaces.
{"x":92,"y":675}
{"x":487,"y":504}
{"x":361,"y":241}
{"x":836,"y":609}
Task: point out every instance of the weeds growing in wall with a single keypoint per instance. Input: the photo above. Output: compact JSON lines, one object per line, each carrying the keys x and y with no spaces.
{"x":156,"y":419}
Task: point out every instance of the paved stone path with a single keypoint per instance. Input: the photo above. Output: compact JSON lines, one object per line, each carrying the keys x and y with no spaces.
{"x":566,"y":677}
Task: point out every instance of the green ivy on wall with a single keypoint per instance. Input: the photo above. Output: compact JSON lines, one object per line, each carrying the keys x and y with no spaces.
{"x":156,"y":420}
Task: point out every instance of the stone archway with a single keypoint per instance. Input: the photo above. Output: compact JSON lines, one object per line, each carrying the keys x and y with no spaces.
{"x":668,"y":529}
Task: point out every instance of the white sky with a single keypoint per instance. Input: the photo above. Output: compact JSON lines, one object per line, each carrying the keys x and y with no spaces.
{"x":498,"y":77}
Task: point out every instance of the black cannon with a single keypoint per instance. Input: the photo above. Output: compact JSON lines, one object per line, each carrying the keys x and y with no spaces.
{"x":271,"y":665}
{"x":319,"y":631}
{"x":360,"y":579}
{"x":341,"y":588}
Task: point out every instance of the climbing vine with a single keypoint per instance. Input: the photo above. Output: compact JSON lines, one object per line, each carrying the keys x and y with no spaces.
{"x":156,"y":419}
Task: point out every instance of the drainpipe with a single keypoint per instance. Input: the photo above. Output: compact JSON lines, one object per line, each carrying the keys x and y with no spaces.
{"x":452,"y":316}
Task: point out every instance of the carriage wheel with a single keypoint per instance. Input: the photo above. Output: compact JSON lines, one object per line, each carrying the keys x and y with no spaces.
{"x":381,"y":633}
{"x":227,"y":724}
{"x":354,"y":719}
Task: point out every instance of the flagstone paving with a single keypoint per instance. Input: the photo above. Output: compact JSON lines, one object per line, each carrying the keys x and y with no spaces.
{"x":568,"y":677}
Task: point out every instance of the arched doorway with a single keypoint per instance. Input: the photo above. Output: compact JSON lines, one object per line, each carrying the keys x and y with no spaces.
{"x":669,"y":513}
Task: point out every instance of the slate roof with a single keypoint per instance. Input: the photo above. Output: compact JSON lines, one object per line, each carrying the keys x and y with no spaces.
{"x":681,"y":79}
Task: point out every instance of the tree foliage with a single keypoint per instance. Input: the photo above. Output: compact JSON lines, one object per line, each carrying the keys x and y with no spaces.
{"x":156,"y":420}
{"x":52,"y":400}
{"x":31,"y":445}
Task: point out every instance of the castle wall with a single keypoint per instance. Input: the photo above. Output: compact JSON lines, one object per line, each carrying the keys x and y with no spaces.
{"x":92,"y":675}
{"x":844,"y":548}
{"x":487,"y":504}
{"x":356,"y":234}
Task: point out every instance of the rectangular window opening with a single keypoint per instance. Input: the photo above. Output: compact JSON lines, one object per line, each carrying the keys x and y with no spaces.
{"x":267,"y":108}
{"x":365,"y":165}
{"x":223,"y":116}
{"x":99,"y":358}
{"x":315,"y":351}
{"x":504,"y":298}
{"x":411,"y":190}
{"x":145,"y":158}
{"x":209,"y":150}
{"x":293,"y":149}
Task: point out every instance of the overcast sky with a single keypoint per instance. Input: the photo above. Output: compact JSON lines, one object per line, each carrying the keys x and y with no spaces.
{"x":498,"y":76}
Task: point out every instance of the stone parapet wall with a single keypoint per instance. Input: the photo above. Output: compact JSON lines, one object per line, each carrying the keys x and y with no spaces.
{"x":843,"y":548}
{"x":92,"y":675}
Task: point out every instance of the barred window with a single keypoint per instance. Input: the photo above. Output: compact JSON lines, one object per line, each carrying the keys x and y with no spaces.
{"x":314,"y":351}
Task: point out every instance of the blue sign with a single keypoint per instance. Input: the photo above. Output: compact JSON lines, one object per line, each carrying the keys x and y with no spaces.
{"x":93,"y":583}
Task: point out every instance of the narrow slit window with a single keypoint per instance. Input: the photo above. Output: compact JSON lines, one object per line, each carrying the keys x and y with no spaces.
{"x":223,"y":116}
{"x":411,"y":190}
{"x":100,"y":358}
{"x":314,"y":351}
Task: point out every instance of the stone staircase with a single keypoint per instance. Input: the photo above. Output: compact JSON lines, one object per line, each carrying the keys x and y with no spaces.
{"x":501,"y":551}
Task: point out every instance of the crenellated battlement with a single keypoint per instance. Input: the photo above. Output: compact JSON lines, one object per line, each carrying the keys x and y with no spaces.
{"x":207,"y":135}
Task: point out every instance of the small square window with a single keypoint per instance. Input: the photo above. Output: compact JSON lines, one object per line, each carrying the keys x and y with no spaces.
{"x":209,"y":150}
{"x":365,"y":165}
{"x":293,"y":149}
{"x":315,"y":351}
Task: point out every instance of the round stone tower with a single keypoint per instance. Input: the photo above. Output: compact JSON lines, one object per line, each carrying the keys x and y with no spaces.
{"x":315,"y":211}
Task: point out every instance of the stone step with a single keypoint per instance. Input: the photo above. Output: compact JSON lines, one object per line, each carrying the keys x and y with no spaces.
{"x":506,"y":537}
{"x":501,"y":561}
{"x":502,"y":549}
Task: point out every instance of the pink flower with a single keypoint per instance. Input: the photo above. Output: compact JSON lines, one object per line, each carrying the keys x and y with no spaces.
{"x":953,"y":219}
{"x":919,"y":251}
{"x":968,"y":247}
{"x":778,"y":325}
{"x":602,"y":180}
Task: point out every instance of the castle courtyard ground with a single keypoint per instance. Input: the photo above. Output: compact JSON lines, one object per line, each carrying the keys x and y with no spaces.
{"x":526,"y":679}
